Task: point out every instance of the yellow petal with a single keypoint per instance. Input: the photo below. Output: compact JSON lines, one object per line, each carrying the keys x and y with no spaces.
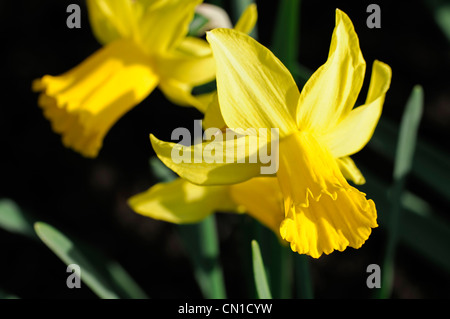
{"x":181,"y":94}
{"x":182,"y":202}
{"x":262,"y":199}
{"x":221,"y":161}
{"x":164,"y":26}
{"x":191,"y":63}
{"x":248,"y":19}
{"x":350,"y":170}
{"x":332,"y":90}
{"x":322,"y":211}
{"x":111,"y":20}
{"x":356,"y":129}
{"x":85,"y":102}
{"x":213,"y":117}
{"x":255,"y":89}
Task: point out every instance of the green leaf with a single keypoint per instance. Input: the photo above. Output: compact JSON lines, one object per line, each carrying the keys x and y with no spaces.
{"x":6,"y":295}
{"x":408,"y":134}
{"x":402,"y":167}
{"x":440,"y":10}
{"x":97,"y":278}
{"x":15,"y":220}
{"x":431,"y":165}
{"x":420,"y":229}
{"x":262,"y":286}
{"x":285,"y":38}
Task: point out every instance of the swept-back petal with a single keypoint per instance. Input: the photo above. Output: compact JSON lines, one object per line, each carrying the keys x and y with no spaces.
{"x":248,"y":19}
{"x":112,"y":20}
{"x":255,"y":89}
{"x":262,"y":199}
{"x":182,"y":202}
{"x":322,"y":211}
{"x":85,"y":102}
{"x":332,"y":90}
{"x":350,"y":170}
{"x":181,"y":94}
{"x":164,"y":25}
{"x":356,"y":129}
{"x":226,"y":160}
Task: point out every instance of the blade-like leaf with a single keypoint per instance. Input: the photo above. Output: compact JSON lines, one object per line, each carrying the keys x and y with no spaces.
{"x":93,"y":276}
{"x":431,"y":165}
{"x":408,"y":134}
{"x":65,"y":249}
{"x":285,"y":38}
{"x":15,"y":220}
{"x":417,"y":222}
{"x":262,"y":286}
{"x":402,"y":167}
{"x":6,"y":295}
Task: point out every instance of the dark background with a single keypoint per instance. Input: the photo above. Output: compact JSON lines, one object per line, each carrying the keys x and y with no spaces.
{"x":87,"y":198}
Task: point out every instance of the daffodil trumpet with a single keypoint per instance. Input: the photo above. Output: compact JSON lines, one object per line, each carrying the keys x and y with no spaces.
{"x":319,"y":129}
{"x":145,"y":45}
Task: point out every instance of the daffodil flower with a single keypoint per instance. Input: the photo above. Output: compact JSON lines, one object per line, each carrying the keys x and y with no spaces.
{"x":145,"y":44}
{"x":319,"y":129}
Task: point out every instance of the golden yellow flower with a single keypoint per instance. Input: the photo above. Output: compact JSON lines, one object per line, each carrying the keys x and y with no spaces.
{"x":145,"y":45}
{"x":319,"y":129}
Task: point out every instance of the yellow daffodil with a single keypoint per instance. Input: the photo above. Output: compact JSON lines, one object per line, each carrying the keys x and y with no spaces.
{"x":319,"y":129}
{"x":145,"y":44}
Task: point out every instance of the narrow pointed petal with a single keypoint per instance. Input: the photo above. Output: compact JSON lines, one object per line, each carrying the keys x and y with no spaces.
{"x":357,"y":128}
{"x":181,"y":94}
{"x":255,"y":89}
{"x":332,"y":90}
{"x":323,"y":212}
{"x":182,"y":202}
{"x":262,"y":199}
{"x":248,"y":19}
{"x":350,"y":170}
{"x":85,"y":102}
{"x":222,"y":161}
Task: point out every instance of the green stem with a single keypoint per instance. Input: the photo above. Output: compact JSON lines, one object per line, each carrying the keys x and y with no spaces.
{"x":203,"y":248}
{"x":303,"y":277}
